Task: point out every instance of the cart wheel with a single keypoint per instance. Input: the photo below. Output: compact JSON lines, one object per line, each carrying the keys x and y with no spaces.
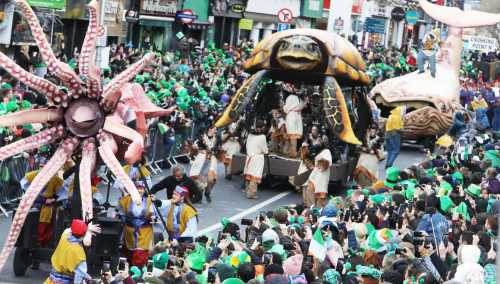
{"x":21,"y":261}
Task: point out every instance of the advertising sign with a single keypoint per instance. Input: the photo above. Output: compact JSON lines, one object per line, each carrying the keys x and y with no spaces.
{"x":161,"y":8}
{"x":246,"y":24}
{"x":374,"y":25}
{"x":484,"y":44}
{"x":398,"y":14}
{"x":412,"y":17}
{"x":51,"y":4}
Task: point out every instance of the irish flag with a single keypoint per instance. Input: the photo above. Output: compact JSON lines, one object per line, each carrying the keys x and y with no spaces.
{"x":317,"y":247}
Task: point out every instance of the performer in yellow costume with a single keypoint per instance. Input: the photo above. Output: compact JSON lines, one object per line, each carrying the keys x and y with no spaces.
{"x":69,"y":261}
{"x":138,"y":230}
{"x":46,"y":201}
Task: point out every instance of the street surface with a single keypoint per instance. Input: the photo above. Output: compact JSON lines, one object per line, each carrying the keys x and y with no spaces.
{"x":228,"y":201}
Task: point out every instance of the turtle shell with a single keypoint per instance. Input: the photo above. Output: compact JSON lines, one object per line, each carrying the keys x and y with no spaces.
{"x":344,"y":60}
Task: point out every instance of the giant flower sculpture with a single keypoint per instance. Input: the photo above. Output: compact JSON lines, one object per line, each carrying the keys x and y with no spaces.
{"x":85,"y":117}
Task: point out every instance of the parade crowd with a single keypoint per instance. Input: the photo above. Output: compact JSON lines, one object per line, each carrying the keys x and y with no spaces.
{"x":434,"y":222}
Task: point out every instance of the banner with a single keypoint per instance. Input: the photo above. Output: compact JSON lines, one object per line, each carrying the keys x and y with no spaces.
{"x":246,"y":24}
{"x":51,"y":4}
{"x":484,"y":44}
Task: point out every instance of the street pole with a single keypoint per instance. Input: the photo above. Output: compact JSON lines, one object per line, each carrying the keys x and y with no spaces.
{"x":52,"y":26}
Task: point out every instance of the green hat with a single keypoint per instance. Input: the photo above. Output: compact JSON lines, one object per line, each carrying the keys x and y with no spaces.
{"x":349,"y":193}
{"x":160,"y":260}
{"x":146,"y":75}
{"x":392,"y":174}
{"x":224,"y":222}
{"x":233,"y":281}
{"x":461,"y":209}
{"x":6,"y":86}
{"x":445,"y":203}
{"x":164,"y":83}
{"x":135,"y":272}
{"x":383,"y":239}
{"x":409,"y":191}
{"x":238,"y":258}
{"x":197,"y":258}
{"x":444,"y":189}
{"x":473,"y":190}
{"x":139,"y":79}
{"x":494,"y":156}
{"x":12,"y":106}
{"x":430,"y":172}
{"x":278,"y":249}
{"x":162,"y":128}
{"x":25,"y":104}
{"x":379,"y":198}
{"x":72,"y":63}
{"x":458,"y":177}
{"x":368,"y":271}
{"x":331,"y":276}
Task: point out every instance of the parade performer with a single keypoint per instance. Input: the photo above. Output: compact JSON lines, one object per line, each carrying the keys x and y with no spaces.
{"x":393,"y":127}
{"x":203,"y":150}
{"x":293,"y":107}
{"x":178,"y":178}
{"x":366,"y":172}
{"x":69,"y":260}
{"x":182,"y":217}
{"x":138,"y":230}
{"x":430,"y":45}
{"x":46,"y":202}
{"x":277,"y":131}
{"x":317,"y":184}
{"x":230,"y":146}
{"x":254,"y":165}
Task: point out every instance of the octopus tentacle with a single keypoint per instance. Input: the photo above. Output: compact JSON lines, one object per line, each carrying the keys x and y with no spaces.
{"x":42,"y":138}
{"x":62,"y":154}
{"x":36,"y":83}
{"x":59,"y":69}
{"x":107,"y":155}
{"x":87,"y":164}
{"x":41,"y":115}
{"x":111,"y":93}
{"x":86,"y":62}
{"x":134,"y":150}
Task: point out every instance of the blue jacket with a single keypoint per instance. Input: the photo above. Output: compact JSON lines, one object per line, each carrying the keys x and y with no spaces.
{"x":440,"y":223}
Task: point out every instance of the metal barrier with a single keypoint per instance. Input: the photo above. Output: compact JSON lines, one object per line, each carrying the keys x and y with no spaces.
{"x":12,"y":171}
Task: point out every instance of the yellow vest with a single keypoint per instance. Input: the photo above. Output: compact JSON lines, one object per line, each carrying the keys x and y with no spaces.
{"x":54,"y":185}
{"x":145,"y":172}
{"x":395,"y":120}
{"x":186,"y":214}
{"x":145,"y":234}
{"x":67,"y":255}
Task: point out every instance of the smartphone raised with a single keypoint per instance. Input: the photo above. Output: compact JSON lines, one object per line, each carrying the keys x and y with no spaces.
{"x":122,"y":263}
{"x":149,"y":267}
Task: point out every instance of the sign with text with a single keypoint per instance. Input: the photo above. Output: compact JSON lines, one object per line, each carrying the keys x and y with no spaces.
{"x":374,"y":25}
{"x":246,"y":24}
{"x":412,"y":17}
{"x":51,"y":4}
{"x":161,"y":8}
{"x":484,"y":44}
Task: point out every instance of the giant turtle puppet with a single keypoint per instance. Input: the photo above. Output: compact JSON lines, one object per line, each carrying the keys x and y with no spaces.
{"x":311,"y":57}
{"x":432,"y":101}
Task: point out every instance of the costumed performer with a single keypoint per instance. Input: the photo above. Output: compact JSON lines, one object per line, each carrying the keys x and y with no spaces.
{"x":203,"y":150}
{"x":138,"y":229}
{"x":69,"y":262}
{"x":293,"y":108}
{"x":430,"y":45}
{"x":256,"y":147}
{"x":230,"y":146}
{"x":182,"y":217}
{"x":317,"y":183}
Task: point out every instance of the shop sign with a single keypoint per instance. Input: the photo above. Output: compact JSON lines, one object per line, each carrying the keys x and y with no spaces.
{"x":312,"y":8}
{"x":132,"y":16}
{"x":412,"y":17}
{"x":398,"y":14}
{"x":162,"y":8}
{"x":374,"y":25}
{"x":357,"y":6}
{"x":484,"y":44}
{"x":51,"y":4}
{"x":246,"y":24}
{"x":238,"y":8}
{"x":186,"y":16}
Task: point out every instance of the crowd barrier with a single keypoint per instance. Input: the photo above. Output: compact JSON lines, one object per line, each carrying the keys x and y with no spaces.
{"x":12,"y":171}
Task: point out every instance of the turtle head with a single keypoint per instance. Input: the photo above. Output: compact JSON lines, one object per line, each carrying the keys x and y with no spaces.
{"x":300,"y":53}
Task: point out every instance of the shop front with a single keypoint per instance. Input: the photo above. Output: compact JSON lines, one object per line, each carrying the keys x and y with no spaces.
{"x":227,"y":16}
{"x":154,"y":28}
{"x":116,"y":29}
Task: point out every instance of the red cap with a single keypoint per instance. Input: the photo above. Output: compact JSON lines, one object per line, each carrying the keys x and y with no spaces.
{"x":78,"y":228}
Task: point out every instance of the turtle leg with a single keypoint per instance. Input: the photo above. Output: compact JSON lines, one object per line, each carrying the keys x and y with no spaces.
{"x":241,"y":99}
{"x":336,"y":113}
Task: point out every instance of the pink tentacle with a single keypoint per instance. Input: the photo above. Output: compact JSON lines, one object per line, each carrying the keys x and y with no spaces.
{"x":42,"y":138}
{"x":87,"y":164}
{"x":41,"y":115}
{"x":59,"y":69}
{"x":111,"y":93}
{"x":36,"y":83}
{"x":87,"y":56}
{"x":107,"y":155}
{"x":62,"y":154}
{"x":134,"y":150}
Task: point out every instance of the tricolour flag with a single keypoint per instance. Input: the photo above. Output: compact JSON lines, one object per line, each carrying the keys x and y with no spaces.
{"x":317,"y":247}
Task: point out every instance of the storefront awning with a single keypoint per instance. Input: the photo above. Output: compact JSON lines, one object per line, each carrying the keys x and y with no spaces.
{"x":153,"y":21}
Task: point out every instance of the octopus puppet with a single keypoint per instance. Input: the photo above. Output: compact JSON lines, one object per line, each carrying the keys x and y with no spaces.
{"x":86,"y":119}
{"x":431,"y":101}
{"x":311,"y":57}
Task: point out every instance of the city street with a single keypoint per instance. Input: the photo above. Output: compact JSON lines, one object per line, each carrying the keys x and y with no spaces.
{"x":228,"y":201}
